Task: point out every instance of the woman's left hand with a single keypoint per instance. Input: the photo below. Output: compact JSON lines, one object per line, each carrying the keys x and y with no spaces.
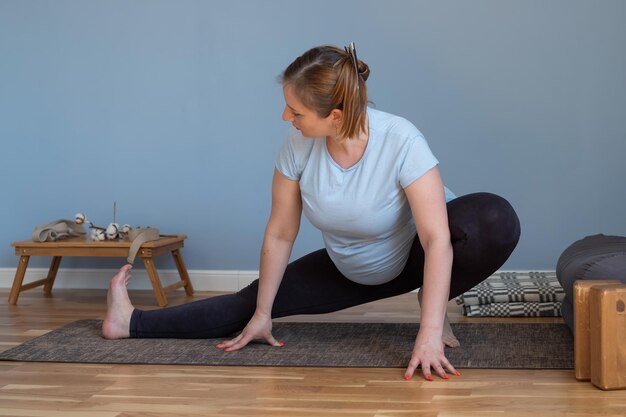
{"x":428,"y":352}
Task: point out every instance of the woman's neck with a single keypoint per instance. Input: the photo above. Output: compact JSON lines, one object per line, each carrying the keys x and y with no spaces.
{"x":347,"y":152}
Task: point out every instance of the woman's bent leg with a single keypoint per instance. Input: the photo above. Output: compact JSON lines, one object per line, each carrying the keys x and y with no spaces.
{"x":484,"y":231}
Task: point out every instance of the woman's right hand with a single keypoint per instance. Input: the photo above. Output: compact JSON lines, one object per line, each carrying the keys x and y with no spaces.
{"x":258,"y":328}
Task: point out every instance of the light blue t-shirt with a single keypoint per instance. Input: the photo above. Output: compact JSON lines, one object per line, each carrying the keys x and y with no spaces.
{"x":362,"y":211}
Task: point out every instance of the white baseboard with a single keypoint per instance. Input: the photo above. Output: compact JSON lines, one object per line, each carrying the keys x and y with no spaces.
{"x":80,"y":278}
{"x":202,"y":280}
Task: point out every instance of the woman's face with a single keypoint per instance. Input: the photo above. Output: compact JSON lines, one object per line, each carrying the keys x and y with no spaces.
{"x":306,"y":120}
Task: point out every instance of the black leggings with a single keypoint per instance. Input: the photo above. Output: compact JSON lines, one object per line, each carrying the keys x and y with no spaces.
{"x":484,"y":231}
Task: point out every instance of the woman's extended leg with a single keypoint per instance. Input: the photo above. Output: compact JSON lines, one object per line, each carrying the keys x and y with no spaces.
{"x":484,"y":230}
{"x":311,"y":284}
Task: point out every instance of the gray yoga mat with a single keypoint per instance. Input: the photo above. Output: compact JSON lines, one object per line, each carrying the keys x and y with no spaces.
{"x":384,"y":345}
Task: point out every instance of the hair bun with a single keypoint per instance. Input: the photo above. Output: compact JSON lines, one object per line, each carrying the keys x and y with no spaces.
{"x":364,"y":70}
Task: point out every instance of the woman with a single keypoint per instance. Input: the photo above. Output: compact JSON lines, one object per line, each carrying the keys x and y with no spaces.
{"x":370,"y":183}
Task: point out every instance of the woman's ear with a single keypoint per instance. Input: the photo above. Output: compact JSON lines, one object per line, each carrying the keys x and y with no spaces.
{"x":336,"y":116}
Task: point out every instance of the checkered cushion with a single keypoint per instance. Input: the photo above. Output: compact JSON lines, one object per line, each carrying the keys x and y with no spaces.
{"x":514,"y":294}
{"x":550,"y":309}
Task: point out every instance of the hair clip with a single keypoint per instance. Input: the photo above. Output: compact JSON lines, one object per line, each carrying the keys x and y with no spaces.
{"x":351,"y":50}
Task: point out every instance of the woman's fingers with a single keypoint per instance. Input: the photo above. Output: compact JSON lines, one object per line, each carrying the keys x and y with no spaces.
{"x":450,"y":368}
{"x":271,"y":341}
{"x":410,"y":370}
{"x":242,"y":340}
{"x":229,"y":343}
{"x":234,"y":344}
{"x":429,"y":354}
{"x":238,"y":344}
{"x":439,"y":368}
{"x":439,"y":371}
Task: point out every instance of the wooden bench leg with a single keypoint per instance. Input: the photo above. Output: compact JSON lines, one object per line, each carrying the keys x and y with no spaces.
{"x":182,"y":271}
{"x":159,"y":293}
{"x":19,"y":278}
{"x":52,"y":274}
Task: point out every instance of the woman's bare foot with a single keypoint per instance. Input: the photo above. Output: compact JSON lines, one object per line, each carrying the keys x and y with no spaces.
{"x":448,"y":337}
{"x":119,"y":308}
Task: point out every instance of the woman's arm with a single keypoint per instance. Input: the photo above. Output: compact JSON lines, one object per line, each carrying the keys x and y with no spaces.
{"x":426,"y":197}
{"x":280,"y":234}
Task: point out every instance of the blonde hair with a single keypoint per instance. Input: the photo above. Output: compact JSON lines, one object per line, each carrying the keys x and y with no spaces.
{"x":326,"y":78}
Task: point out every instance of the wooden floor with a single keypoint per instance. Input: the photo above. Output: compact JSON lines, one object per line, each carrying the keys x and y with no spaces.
{"x":68,"y":390}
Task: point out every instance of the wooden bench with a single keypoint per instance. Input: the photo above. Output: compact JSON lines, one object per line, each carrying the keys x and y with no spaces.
{"x":109,"y":248}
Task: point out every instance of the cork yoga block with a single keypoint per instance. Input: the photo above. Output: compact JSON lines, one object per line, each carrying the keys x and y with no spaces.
{"x":582,"y":354}
{"x":607,"y":324}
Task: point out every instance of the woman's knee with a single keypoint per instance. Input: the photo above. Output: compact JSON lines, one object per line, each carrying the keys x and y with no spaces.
{"x":501,"y":219}
{"x":484,"y":214}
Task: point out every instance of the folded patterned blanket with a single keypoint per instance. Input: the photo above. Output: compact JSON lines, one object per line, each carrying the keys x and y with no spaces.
{"x":515,"y":309}
{"x":514,"y":294}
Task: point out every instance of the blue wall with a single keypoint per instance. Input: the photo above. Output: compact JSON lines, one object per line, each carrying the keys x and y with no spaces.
{"x":172,"y":109}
